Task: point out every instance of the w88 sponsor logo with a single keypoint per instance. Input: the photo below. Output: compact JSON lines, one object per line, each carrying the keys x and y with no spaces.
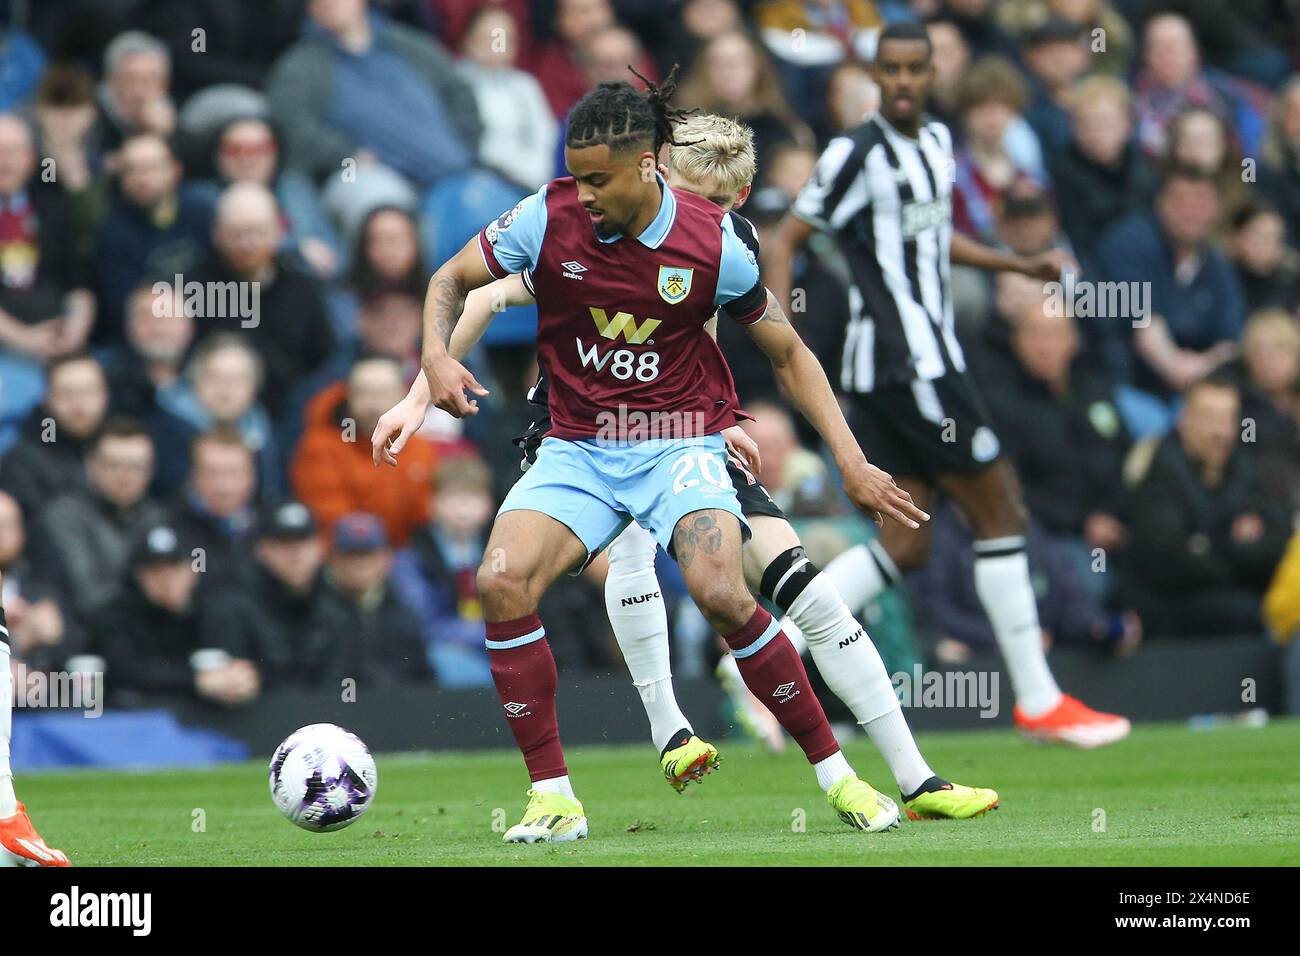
{"x":623,"y":363}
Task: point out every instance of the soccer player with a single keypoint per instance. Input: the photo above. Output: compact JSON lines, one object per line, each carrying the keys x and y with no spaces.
{"x":606,"y":248}
{"x":715,"y":159}
{"x":20,"y":844}
{"x":883,"y":190}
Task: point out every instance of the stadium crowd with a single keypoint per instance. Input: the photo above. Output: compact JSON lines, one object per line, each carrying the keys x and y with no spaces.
{"x":187,"y":497}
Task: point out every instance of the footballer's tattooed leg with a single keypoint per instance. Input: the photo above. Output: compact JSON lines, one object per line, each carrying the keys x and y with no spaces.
{"x":701,"y":534}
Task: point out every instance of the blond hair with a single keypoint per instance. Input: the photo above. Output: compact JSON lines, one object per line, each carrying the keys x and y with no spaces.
{"x":1270,"y":319}
{"x":715,"y":149}
{"x":1098,"y":85}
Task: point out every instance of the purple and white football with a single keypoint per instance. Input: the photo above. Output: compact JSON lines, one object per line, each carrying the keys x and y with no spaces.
{"x":323,"y":778}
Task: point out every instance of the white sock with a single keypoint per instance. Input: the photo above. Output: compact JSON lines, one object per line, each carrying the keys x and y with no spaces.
{"x":558,"y":785}
{"x":832,"y":770}
{"x":893,"y":738}
{"x":853,"y":670}
{"x":8,"y":802}
{"x":1004,"y":588}
{"x":856,"y":574}
{"x":635,"y":606}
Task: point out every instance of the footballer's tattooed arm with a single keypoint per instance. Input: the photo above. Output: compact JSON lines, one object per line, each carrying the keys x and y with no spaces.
{"x":697,"y":533}
{"x":399,"y":423}
{"x":448,"y":379}
{"x":803,"y":381}
{"x":442,"y":381}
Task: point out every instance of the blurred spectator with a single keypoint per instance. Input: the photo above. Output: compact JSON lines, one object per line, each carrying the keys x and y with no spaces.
{"x":382,"y":640}
{"x":1195,"y":302}
{"x":305,"y":620}
{"x":89,"y":532}
{"x":42,"y":632}
{"x":159,"y":332}
{"x":1171,"y":80}
{"x":50,"y":457}
{"x":519,"y":131}
{"x":241,"y":38}
{"x":389,"y":325}
{"x":388,"y":253}
{"x":162,"y":636}
{"x":135,"y":96}
{"x":1059,"y":426}
{"x":732,"y":76}
{"x":247,"y":150}
{"x":1268,"y":270}
{"x":290,"y":328}
{"x":951,"y":57}
{"x":360,"y":87}
{"x":999,"y":147}
{"x":1268,"y":375}
{"x":944,"y":596}
{"x":1245,"y":39}
{"x":555,"y":61}
{"x":1056,"y":56}
{"x":1108,"y":34}
{"x":1027,"y":222}
{"x":154,"y":228}
{"x":980,"y":29}
{"x":1205,"y":537}
{"x":795,"y":476}
{"x":809,"y":37}
{"x":64,"y":112}
{"x":1279,"y":167}
{"x":1100,"y":175}
{"x":21,"y":64}
{"x":332,"y":473}
{"x":454,"y":18}
{"x":1199,"y":138}
{"x":851,"y":96}
{"x":220,"y":391}
{"x":698,"y":21}
{"x":46,"y":307}
{"x":216,"y":512}
{"x":435,"y":574}
{"x":607,"y":53}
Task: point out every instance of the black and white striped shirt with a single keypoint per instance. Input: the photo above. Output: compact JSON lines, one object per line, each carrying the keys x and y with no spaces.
{"x":887,"y":198}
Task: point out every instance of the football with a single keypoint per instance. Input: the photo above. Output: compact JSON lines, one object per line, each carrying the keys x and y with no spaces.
{"x":323,"y":778}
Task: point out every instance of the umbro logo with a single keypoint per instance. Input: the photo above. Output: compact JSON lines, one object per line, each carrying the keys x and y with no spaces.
{"x":572,"y":268}
{"x":785,"y":692}
{"x":514,"y":708}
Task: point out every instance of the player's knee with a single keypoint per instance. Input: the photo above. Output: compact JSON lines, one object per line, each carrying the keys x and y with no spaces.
{"x":1008,"y":517}
{"x":503,"y":590}
{"x":727,"y":605}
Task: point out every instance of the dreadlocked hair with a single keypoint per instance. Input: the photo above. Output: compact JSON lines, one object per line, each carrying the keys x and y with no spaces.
{"x":617,"y":116}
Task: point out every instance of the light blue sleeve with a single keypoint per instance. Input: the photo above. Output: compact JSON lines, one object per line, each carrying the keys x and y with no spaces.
{"x":515,"y":238}
{"x":738,"y":272}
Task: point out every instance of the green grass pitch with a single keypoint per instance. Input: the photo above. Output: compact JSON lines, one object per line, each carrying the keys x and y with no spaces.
{"x":1165,"y":796}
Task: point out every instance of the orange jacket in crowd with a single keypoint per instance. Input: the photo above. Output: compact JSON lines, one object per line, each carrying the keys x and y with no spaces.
{"x":332,"y":476}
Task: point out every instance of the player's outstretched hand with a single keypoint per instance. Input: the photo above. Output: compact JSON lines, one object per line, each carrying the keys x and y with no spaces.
{"x":395,"y":428}
{"x":874,"y":492}
{"x":1050,"y":266}
{"x":448,"y":382}
{"x":743,"y":447}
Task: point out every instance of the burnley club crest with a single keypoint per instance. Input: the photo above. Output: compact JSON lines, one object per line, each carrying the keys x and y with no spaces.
{"x":674,"y":283}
